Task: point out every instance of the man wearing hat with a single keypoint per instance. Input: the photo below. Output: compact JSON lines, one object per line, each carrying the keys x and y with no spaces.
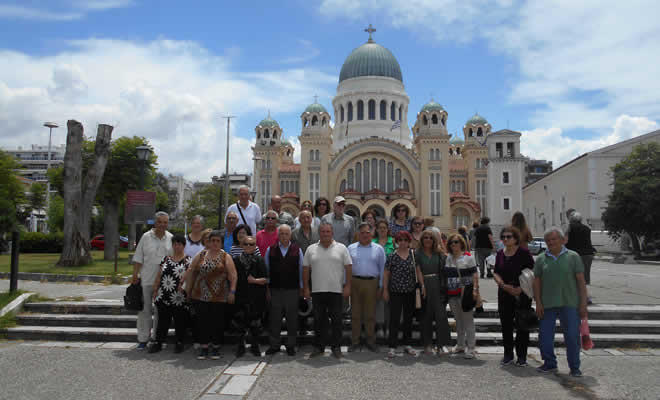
{"x":343,"y":226}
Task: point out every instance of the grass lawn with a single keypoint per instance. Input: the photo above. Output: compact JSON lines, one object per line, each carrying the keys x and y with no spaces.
{"x":6,"y":297}
{"x":45,"y":263}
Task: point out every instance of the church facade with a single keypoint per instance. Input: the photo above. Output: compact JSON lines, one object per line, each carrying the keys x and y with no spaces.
{"x":374,"y":159}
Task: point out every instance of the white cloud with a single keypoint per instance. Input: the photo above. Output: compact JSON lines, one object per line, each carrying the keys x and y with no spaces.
{"x":581,"y":63}
{"x":172,"y":92}
{"x":306,"y":52}
{"x":21,"y":12}
{"x":554,"y":145}
{"x":62,"y":10}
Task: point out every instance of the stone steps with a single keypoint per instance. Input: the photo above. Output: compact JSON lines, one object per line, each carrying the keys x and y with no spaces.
{"x":482,"y":324}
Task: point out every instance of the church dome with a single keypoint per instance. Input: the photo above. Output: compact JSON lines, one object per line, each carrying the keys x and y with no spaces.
{"x":432,"y":106}
{"x":315,"y":108}
{"x":370,"y":59}
{"x":269,"y":122}
{"x":285,"y":142}
{"x":456,"y":140}
{"x":476,"y":120}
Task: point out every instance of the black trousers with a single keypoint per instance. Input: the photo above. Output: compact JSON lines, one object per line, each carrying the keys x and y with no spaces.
{"x":165,"y":316}
{"x":401,"y":302}
{"x":506,"y":307}
{"x":248,"y":320}
{"x":327,"y":305}
{"x":211,"y":322}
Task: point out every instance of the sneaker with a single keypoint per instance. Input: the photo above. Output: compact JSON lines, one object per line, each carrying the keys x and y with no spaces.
{"x":589,"y":300}
{"x":203,"y":353}
{"x":353,"y":348}
{"x":506,"y":360}
{"x":458,"y":349}
{"x":178,"y":348}
{"x":215,"y":352}
{"x":410,"y":351}
{"x":372,"y":348}
{"x":141,"y":346}
{"x":155,"y":347}
{"x":521,"y":363}
{"x":240,"y":350}
{"x":469,"y":354}
{"x":316,"y":352}
{"x":545,"y":368}
{"x":272,"y":350}
{"x":336,"y":353}
{"x":290,"y":351}
{"x":442,"y":350}
{"x":255,"y":350}
{"x":391,"y":353}
{"x":576,"y":373}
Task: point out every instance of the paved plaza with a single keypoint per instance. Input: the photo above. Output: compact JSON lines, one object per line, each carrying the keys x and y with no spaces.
{"x":67,"y":370}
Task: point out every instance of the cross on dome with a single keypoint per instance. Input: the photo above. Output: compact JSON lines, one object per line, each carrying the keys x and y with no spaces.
{"x":316,"y":99}
{"x":371,"y":30}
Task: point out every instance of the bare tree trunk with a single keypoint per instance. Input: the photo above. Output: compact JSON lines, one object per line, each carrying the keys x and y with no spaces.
{"x":634,"y":243}
{"x":79,"y":200}
{"x":110,"y":228}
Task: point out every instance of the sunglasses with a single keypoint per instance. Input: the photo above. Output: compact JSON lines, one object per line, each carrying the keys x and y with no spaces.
{"x":249,"y":244}
{"x":404,"y":240}
{"x":506,"y":237}
{"x":454,"y":242}
{"x":271,"y":218}
{"x":427,"y":237}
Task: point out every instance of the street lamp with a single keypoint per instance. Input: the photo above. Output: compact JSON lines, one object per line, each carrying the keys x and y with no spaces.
{"x":143,"y":154}
{"x":255,"y":181}
{"x":50,"y":126}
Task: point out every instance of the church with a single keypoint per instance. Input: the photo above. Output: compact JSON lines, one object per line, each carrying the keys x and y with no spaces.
{"x":375,"y":160}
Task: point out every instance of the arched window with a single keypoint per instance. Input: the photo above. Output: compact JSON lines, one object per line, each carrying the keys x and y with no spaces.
{"x":342,"y":187}
{"x":360,"y":110}
{"x":406,"y":187}
{"x":458,"y":150}
{"x":315,"y":121}
{"x":350,"y":111}
{"x":444,"y":120}
{"x":400,"y":113}
{"x":372,"y":109}
{"x":434,"y":119}
{"x":311,"y":155}
{"x":397,"y":179}
{"x":317,"y":155}
{"x":323,"y":121}
{"x":381,"y":176}
{"x":431,"y":155}
{"x":480,"y":132}
{"x":258,"y":135}
{"x":471,"y":133}
{"x":393,"y":111}
{"x":383,"y":110}
{"x":390,"y":177}
{"x":358,"y":177}
{"x":341,"y":111}
{"x":350,"y":179}
{"x":274,"y":134}
{"x":451,"y":151}
{"x":438,"y":155}
{"x":266,"y":134}
{"x":365,"y":181}
{"x":374,"y":174}
{"x":425,"y":120}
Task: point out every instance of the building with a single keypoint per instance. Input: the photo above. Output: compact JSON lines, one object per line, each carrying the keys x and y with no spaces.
{"x":536,"y":169}
{"x":583,"y":184}
{"x":35,"y":160}
{"x":183,"y":190}
{"x":235,"y":181}
{"x":374,"y":159}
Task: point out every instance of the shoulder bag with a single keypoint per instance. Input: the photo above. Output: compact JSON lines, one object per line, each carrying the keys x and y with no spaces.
{"x":418,"y":290}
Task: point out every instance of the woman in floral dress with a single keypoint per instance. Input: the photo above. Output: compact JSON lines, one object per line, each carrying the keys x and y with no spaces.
{"x":171,"y":303}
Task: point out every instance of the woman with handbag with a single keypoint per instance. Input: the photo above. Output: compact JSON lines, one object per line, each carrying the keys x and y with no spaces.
{"x":511,"y":300}
{"x":431,"y":263}
{"x":399,"y":289}
{"x":462,"y":289}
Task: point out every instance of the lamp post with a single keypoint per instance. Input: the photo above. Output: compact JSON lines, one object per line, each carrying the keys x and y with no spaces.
{"x":255,"y":181}
{"x":50,"y":126}
{"x":229,"y":117}
{"x":143,"y":154}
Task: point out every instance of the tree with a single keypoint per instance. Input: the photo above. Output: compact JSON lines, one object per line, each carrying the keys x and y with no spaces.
{"x":56,"y":213}
{"x":122,"y":174}
{"x":633,"y":207}
{"x":12,"y":194}
{"x":79,"y":192}
{"x":205,"y":202}
{"x":37,"y":197}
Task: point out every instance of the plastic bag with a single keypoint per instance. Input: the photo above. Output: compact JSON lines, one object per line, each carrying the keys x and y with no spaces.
{"x":587,"y":343}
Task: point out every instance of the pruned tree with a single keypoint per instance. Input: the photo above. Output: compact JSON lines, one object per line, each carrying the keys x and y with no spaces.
{"x":80,"y":192}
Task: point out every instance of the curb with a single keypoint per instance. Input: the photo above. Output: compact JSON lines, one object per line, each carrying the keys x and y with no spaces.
{"x":16,"y":306}
{"x":39,"y":277}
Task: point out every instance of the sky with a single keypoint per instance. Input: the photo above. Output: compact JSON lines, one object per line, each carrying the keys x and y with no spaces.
{"x":572,"y":76}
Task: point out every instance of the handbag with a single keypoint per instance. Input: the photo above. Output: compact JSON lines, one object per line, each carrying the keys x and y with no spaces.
{"x":133,"y":299}
{"x":467,"y":298}
{"x":525,"y":318}
{"x":418,"y":290}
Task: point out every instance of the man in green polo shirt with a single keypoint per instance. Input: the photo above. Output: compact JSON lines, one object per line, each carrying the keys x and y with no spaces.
{"x":560,"y":292}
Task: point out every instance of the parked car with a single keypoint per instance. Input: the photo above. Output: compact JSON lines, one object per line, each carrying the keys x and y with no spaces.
{"x":537,"y":246}
{"x":98,"y":242}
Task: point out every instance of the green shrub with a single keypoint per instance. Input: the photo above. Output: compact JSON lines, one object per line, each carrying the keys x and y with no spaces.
{"x":39,"y":242}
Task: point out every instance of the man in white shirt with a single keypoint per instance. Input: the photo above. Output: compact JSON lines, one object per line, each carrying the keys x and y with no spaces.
{"x":329,"y":266}
{"x":247,"y":211}
{"x":154,"y":245}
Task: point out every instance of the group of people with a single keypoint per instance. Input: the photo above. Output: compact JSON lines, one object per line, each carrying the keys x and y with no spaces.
{"x":392,"y":272}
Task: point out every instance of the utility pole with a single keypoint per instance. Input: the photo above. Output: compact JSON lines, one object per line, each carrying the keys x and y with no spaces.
{"x":50,"y":126}
{"x":220,"y":217}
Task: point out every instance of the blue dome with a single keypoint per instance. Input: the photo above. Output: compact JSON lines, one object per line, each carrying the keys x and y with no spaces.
{"x":268,"y":121}
{"x":316,"y":108}
{"x":370,"y":59}
{"x":476,"y":120}
{"x":432,"y":106}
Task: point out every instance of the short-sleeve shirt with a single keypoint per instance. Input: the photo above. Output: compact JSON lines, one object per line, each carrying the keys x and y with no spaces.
{"x":558,"y":278}
{"x":343,"y":229}
{"x":327,"y":266}
{"x":170,"y":277}
{"x":265,"y":240}
{"x":509,"y":268}
{"x":252,"y":215}
{"x":481,"y":237}
{"x":402,"y":273}
{"x":150,"y":252}
{"x":302,"y":241}
{"x":192,"y":247}
{"x":460,"y":272}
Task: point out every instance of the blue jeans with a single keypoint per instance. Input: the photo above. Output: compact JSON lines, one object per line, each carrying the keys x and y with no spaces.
{"x":569,"y":319}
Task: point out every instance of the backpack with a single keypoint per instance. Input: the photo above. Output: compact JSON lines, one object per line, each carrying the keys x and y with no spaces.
{"x":133,"y":300}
